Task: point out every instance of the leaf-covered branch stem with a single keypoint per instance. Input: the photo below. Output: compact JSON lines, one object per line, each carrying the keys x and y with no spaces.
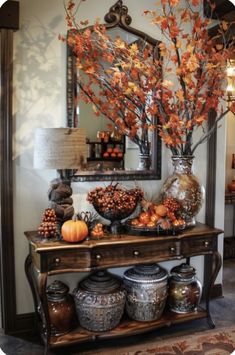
{"x":210,"y":131}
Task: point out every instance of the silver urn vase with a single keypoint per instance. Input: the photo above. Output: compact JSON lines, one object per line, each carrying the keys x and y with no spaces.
{"x":100,"y":301}
{"x":184,"y":186}
{"x":144,"y":161}
{"x":146,"y":287}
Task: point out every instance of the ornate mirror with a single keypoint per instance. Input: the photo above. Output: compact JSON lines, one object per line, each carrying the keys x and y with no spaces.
{"x":111,"y":155}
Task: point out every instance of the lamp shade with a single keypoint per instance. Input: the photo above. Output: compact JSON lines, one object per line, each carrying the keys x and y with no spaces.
{"x":233,"y":161}
{"x":59,"y":148}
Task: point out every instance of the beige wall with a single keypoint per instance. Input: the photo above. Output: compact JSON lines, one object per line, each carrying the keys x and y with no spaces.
{"x":39,"y":101}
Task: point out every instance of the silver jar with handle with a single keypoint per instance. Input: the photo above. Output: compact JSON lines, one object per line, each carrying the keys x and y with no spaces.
{"x":146,"y":287}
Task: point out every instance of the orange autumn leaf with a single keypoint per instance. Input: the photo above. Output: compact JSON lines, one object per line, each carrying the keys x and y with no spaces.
{"x":184,"y":15}
{"x":90,"y":70}
{"x":174,"y":2}
{"x":192,"y":63}
{"x":70,"y":6}
{"x":164,"y":23}
{"x":163,"y":49}
{"x":133,"y":49}
{"x":199,"y":120}
{"x":180,"y":95}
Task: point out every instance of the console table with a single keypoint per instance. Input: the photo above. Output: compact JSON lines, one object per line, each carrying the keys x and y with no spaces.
{"x":51,"y":257}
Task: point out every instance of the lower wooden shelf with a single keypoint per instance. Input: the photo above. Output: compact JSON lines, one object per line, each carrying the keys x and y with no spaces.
{"x":57,"y":257}
{"x":127,"y":327}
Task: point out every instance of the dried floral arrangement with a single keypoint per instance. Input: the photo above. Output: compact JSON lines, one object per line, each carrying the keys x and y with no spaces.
{"x":172,"y":87}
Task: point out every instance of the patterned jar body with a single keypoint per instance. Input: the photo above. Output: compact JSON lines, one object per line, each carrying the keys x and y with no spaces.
{"x":184,"y":289}
{"x":184,"y":186}
{"x":100,"y":301}
{"x":61,"y":308}
{"x":146,"y":287}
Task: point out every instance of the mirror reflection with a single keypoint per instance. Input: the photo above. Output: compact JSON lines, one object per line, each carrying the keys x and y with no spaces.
{"x":111,"y":154}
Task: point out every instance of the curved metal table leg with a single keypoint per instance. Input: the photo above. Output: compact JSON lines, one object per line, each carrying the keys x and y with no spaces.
{"x":217,"y":262}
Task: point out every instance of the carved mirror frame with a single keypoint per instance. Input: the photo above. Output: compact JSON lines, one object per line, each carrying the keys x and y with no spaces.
{"x":116,"y":17}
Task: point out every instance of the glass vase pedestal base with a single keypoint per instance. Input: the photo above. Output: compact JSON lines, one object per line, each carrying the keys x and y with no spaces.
{"x":190,"y":222}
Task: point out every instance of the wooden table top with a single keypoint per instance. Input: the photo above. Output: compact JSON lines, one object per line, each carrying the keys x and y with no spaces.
{"x":45,"y":244}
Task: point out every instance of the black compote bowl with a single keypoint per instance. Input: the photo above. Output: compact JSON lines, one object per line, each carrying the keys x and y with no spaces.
{"x":115,"y":203}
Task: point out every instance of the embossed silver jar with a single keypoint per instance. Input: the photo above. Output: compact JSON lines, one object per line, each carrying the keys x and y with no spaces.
{"x":146,"y":287}
{"x":184,"y":289}
{"x":100,"y":301}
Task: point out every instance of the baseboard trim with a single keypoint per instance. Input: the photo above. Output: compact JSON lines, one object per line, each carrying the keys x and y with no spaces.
{"x":216,"y":292}
{"x":24,"y":324}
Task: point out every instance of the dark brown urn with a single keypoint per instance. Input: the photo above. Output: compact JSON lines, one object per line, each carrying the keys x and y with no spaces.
{"x":184,"y":289}
{"x":61,"y":308}
{"x":100,"y":301}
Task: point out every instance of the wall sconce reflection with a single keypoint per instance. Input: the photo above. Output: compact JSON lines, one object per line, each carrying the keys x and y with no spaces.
{"x":231,"y":81}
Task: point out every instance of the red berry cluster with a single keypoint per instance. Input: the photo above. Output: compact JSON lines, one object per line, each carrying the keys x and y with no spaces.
{"x":172,"y":204}
{"x":47,"y":227}
{"x":114,"y":198}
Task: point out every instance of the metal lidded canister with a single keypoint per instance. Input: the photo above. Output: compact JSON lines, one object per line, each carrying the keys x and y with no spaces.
{"x":146,"y":287}
{"x":100,"y":301}
{"x":184,"y":289}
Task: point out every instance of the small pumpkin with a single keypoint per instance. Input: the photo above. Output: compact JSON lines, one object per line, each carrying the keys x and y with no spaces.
{"x":74,"y":231}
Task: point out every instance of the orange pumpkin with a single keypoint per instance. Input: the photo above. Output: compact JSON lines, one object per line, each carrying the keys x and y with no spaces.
{"x":74,"y":231}
{"x":161,"y":210}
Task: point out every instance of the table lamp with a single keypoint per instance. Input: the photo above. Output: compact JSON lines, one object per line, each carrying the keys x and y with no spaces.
{"x":63,"y":149}
{"x":231,"y":185}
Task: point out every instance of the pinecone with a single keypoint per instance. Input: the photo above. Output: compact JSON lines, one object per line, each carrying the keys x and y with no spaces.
{"x":47,"y":227}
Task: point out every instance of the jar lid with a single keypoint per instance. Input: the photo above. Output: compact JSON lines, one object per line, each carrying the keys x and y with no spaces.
{"x":57,"y":290}
{"x":145,"y":273}
{"x":183,"y":272}
{"x":101,"y":282}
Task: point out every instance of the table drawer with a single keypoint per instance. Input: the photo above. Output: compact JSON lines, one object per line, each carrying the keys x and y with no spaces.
{"x":66,"y":260}
{"x":134,"y":254}
{"x":197,"y":246}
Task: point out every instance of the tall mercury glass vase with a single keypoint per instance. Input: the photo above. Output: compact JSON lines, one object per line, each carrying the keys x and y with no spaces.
{"x":185,"y":187}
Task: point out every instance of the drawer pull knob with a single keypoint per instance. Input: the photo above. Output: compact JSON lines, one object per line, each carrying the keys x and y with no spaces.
{"x":136,"y":253}
{"x":206,"y":244}
{"x":98,"y":257}
{"x":172,"y":250}
{"x":57,"y":260}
